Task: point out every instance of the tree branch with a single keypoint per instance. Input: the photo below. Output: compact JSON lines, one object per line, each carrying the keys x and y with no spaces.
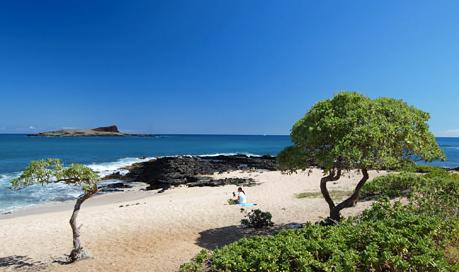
{"x":350,"y":201}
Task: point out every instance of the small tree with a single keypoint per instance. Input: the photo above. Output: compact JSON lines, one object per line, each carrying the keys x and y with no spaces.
{"x":51,"y":171}
{"x":352,"y":131}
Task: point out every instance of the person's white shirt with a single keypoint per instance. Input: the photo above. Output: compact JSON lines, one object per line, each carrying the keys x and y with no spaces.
{"x":242,"y":198}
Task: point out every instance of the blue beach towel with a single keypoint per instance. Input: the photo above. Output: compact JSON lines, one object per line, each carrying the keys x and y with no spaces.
{"x":248,"y":204}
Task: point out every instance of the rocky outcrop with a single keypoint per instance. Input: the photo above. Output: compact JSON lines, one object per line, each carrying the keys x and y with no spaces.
{"x":164,"y":172}
{"x":114,"y":187}
{"x":100,"y":131}
{"x":202,"y":182}
{"x":112,"y":129}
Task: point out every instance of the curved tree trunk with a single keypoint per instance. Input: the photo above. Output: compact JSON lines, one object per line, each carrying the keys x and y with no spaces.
{"x":335,"y":211}
{"x":78,"y":252}
{"x":324,"y":189}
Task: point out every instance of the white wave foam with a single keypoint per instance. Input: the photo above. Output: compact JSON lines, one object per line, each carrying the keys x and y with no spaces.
{"x":108,"y":168}
{"x":5,"y":179}
{"x":35,"y":194}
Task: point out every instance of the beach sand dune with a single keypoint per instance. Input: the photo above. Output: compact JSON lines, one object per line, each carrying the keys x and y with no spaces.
{"x":148,"y":231}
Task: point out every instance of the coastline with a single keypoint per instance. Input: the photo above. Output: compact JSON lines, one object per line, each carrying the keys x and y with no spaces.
{"x":132,"y":194}
{"x":162,"y":230}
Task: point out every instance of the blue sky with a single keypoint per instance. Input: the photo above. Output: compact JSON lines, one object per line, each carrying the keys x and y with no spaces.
{"x":239,"y":67}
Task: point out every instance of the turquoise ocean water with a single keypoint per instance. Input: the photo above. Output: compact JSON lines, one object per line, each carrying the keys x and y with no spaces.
{"x":107,"y":154}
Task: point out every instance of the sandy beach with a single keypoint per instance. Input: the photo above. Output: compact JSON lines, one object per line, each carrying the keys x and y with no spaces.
{"x":151,"y":231}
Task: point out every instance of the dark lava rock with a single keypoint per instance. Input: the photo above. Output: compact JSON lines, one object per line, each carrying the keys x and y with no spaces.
{"x":201,"y":182}
{"x":117,"y":175}
{"x":114,"y":187}
{"x":172,"y":171}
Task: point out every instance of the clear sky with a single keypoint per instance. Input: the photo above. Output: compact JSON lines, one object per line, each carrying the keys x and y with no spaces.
{"x":220,"y":66}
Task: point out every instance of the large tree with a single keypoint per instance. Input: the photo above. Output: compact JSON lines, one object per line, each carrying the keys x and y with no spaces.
{"x":52,"y":170}
{"x":352,"y":131}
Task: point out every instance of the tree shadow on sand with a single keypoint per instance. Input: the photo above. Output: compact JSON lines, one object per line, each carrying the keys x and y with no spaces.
{"x":21,"y":262}
{"x":218,"y":237}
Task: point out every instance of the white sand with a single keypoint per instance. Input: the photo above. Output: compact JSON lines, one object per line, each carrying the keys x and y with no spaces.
{"x":163,"y":230}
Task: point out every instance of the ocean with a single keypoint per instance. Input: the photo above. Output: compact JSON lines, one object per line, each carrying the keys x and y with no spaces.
{"x":107,"y":154}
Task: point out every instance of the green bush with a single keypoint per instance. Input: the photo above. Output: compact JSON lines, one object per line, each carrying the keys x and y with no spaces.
{"x":428,"y":169}
{"x":403,"y":242}
{"x":406,"y":183}
{"x":437,"y":196}
{"x":415,"y":168}
{"x":257,"y":219}
{"x":391,"y":185}
{"x":198,"y":263}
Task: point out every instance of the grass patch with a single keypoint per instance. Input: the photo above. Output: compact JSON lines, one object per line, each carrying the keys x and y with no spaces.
{"x":336,"y":194}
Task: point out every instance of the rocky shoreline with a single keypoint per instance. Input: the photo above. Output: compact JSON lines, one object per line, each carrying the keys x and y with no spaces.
{"x":192,"y":171}
{"x":165,"y":172}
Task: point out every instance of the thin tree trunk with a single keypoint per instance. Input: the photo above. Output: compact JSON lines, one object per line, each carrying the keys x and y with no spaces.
{"x":335,"y":212}
{"x":78,"y":252}
{"x":324,"y":189}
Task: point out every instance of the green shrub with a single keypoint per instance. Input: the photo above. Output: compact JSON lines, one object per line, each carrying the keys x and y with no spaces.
{"x":197,"y":264}
{"x":257,"y":219}
{"x":391,"y":185}
{"x":428,"y":169}
{"x":437,"y":196}
{"x":404,"y":242}
{"x":416,"y":168}
{"x":442,"y":173}
{"x":406,"y":184}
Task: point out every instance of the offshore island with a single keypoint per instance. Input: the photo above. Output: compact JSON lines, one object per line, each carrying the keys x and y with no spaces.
{"x":89,"y":132}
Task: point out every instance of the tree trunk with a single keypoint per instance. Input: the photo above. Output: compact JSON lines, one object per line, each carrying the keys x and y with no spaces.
{"x":335,"y":212}
{"x":324,"y":189}
{"x":78,"y":252}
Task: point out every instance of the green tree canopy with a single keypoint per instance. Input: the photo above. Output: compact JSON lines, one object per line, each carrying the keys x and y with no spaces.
{"x":52,"y":170}
{"x":352,"y":131}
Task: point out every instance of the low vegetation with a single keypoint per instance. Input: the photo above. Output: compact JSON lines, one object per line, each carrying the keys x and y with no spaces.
{"x":257,"y":219}
{"x":422,"y":234}
{"x":391,"y":185}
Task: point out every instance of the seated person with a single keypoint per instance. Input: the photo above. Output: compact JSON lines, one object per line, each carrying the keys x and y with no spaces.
{"x":242,"y":199}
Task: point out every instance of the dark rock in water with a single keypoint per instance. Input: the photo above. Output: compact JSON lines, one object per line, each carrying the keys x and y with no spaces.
{"x":455,"y":169}
{"x":164,"y":172}
{"x":114,"y":187}
{"x":117,"y":175}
